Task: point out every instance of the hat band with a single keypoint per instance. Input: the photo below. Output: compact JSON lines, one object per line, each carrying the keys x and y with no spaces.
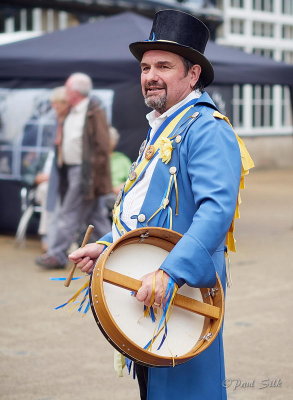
{"x":160,"y":40}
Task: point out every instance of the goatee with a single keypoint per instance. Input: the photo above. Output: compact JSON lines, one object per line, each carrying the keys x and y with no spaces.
{"x":157,"y":103}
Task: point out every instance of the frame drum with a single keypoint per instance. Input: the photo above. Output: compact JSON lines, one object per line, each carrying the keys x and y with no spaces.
{"x":196,"y":316}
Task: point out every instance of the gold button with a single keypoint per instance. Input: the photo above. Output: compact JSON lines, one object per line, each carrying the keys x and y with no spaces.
{"x":141,"y":218}
{"x":178,"y":139}
{"x":172,"y":170}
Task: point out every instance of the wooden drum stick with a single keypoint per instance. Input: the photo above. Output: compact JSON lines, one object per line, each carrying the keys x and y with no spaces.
{"x":87,"y":235}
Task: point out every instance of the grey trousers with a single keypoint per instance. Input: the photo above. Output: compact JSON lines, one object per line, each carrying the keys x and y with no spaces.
{"x":73,"y":215}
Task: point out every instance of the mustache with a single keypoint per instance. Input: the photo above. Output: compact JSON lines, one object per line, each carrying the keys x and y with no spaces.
{"x":155,"y":85}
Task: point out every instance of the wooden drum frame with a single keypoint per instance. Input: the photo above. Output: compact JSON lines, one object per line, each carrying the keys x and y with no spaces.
{"x":106,"y":284}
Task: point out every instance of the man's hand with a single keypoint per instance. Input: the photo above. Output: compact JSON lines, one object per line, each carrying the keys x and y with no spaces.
{"x":41,"y":177}
{"x":85,"y":257}
{"x":158,"y":281}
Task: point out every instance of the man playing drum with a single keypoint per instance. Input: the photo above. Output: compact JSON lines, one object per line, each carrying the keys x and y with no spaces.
{"x":186,"y":178}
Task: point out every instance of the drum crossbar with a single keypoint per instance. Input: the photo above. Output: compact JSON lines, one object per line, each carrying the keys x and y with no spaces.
{"x":180,"y":301}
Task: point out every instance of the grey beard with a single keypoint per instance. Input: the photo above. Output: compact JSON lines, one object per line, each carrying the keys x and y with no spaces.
{"x":158,"y":104}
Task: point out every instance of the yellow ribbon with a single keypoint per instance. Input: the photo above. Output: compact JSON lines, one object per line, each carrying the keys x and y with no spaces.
{"x":139,"y":169}
{"x":166,"y":132}
{"x":246,"y":164}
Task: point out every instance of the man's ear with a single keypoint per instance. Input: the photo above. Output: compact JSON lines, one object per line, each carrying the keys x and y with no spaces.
{"x":195,"y":72}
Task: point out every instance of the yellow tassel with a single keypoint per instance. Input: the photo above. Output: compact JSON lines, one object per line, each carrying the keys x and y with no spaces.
{"x":119,"y":363}
{"x":74,"y":297}
{"x":237,"y":213}
{"x":169,"y":187}
{"x":155,"y":213}
{"x":247,"y":164}
{"x":152,"y":299}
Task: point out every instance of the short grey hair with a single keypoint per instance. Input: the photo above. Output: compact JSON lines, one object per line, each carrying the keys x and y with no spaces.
{"x":58,"y":94}
{"x":81,"y":83}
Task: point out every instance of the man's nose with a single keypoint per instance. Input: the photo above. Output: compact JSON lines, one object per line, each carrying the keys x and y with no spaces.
{"x":152,"y":75}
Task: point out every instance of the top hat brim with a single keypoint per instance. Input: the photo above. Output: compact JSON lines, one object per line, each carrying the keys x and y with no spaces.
{"x":207,"y":72}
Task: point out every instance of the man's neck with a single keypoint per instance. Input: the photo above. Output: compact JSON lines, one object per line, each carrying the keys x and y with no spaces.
{"x":160,"y":112}
{"x":196,"y":93}
{"x":78,"y":100}
{"x":153,"y":115}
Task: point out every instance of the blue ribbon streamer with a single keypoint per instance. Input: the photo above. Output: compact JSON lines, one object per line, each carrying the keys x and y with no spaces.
{"x":83,"y":300}
{"x":64,"y":279}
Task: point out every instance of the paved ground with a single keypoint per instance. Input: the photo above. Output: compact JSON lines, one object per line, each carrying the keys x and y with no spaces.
{"x":58,"y":355}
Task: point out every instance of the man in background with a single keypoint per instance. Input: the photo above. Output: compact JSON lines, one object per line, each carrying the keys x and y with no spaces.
{"x":83,"y":168}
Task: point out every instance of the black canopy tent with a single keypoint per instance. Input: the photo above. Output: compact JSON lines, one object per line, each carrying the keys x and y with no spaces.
{"x":101,"y":49}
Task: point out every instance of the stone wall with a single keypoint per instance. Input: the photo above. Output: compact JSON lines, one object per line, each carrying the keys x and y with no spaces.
{"x":271,"y":151}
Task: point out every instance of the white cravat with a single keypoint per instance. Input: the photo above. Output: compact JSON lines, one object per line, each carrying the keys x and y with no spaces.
{"x":134,"y":199}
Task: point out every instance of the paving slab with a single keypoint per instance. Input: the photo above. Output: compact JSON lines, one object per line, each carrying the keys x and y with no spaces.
{"x":61,"y":355}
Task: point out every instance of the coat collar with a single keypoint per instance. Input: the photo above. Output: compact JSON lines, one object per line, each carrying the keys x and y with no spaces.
{"x":206,"y":100}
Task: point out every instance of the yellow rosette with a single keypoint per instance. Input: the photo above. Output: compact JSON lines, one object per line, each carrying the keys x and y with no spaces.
{"x":165,"y":152}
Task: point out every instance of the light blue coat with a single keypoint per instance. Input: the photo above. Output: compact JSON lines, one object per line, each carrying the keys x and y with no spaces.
{"x":208,"y":164}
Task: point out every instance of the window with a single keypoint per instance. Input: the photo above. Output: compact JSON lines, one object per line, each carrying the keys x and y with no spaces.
{"x":286,"y":115}
{"x":264,"y":29}
{"x":287,"y":7}
{"x":237,"y":3}
{"x":34,"y":20}
{"x":287,"y":31}
{"x":238,"y":106}
{"x":18,"y":20}
{"x":237,"y":26}
{"x":263,"y":5}
{"x":262,"y":106}
{"x":262,"y":110}
{"x":287,"y":56}
{"x":264,"y":52}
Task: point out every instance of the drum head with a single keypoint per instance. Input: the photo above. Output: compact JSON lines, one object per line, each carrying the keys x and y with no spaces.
{"x":121,"y":317}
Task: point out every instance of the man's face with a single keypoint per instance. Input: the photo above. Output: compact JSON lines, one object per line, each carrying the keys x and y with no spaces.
{"x":164,"y":81}
{"x":71,"y":94}
{"x":61,"y":107}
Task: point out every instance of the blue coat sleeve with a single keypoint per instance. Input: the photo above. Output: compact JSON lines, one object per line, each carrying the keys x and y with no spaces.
{"x":211,"y":160}
{"x":107,"y":238}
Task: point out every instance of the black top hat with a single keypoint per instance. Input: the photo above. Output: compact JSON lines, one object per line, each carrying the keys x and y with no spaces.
{"x":180,"y":33}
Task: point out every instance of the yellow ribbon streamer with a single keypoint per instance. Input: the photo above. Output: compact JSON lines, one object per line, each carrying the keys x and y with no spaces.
{"x":140,"y":168}
{"x":166,"y":132}
{"x":246,"y":164}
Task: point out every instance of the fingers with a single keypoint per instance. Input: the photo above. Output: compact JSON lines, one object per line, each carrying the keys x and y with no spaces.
{"x":153,"y":288}
{"x":142,"y":294}
{"x":85,"y":257}
{"x":88,"y":265}
{"x":77,"y":255}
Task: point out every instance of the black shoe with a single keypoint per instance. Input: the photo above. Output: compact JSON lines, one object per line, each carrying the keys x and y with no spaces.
{"x":49,"y":262}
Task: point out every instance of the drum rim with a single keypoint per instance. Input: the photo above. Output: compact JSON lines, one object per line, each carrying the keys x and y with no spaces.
{"x":100,"y":310}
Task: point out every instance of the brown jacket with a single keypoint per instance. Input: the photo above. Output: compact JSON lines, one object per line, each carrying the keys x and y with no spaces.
{"x":96,"y":173}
